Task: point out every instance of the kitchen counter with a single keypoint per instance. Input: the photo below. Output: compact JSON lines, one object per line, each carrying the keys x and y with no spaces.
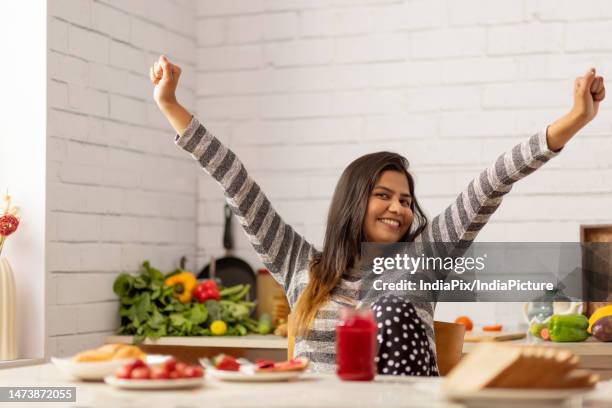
{"x":313,"y":390}
{"x":594,"y":355}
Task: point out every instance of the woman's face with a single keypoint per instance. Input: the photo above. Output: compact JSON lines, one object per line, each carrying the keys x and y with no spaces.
{"x":388,"y":216}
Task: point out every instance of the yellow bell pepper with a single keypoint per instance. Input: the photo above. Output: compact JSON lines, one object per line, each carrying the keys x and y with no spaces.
{"x":183,"y":283}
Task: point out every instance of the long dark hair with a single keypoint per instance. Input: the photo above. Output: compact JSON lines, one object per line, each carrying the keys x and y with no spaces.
{"x":344,"y":232}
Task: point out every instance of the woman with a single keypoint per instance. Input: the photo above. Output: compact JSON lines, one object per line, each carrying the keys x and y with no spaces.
{"x":374,"y":201}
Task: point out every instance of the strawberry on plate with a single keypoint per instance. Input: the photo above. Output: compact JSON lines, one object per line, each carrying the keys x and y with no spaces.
{"x":226,"y":363}
{"x":171,"y":369}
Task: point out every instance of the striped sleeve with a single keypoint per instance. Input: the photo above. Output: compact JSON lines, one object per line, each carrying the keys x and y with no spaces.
{"x":461,"y":221}
{"x":281,"y":249}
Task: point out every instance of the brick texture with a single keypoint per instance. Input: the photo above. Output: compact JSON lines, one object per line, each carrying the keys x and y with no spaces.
{"x":119,"y":190}
{"x":300,"y":88}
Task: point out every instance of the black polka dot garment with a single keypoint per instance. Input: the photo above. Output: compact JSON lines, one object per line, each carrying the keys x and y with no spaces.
{"x":403,"y":348}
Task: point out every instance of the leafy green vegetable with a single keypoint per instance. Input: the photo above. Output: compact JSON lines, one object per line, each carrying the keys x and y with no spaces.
{"x":148,"y":308}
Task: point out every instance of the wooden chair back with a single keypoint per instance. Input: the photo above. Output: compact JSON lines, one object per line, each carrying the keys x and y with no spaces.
{"x":449,"y":344}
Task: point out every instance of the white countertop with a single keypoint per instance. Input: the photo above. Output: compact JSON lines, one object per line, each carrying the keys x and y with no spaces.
{"x":313,"y":390}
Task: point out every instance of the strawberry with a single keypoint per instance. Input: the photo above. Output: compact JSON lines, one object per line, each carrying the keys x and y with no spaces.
{"x":226,"y":363}
{"x":141,"y":373}
{"x":124,"y":372}
{"x":169,"y":364}
{"x":160,"y":373}
{"x":193,"y":372}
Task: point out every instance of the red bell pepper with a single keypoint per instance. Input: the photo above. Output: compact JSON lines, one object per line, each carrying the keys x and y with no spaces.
{"x":206,"y":290}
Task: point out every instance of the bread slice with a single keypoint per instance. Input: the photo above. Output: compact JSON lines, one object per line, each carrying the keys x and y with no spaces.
{"x":527,"y":367}
{"x":109,"y":352}
{"x":488,"y":364}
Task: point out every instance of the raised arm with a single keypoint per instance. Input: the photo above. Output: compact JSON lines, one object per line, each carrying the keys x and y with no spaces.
{"x":461,"y":221}
{"x":282,"y":250}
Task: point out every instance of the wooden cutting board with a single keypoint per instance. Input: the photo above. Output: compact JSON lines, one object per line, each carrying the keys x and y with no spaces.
{"x":479,"y":336}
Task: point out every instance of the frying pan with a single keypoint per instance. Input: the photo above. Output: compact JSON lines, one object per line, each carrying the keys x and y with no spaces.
{"x":229,"y":269}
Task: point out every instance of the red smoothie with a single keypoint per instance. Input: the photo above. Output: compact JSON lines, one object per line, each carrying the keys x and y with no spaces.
{"x":356,"y":345}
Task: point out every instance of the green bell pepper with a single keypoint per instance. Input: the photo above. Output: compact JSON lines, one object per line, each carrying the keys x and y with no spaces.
{"x":566,"y":328}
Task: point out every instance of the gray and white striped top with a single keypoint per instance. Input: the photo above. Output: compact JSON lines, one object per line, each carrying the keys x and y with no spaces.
{"x":286,"y":253}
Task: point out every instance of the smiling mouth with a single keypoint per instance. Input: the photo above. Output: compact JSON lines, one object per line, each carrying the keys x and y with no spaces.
{"x":395,"y":224}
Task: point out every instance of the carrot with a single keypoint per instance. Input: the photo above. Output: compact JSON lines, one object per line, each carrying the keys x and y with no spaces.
{"x":492,"y":328}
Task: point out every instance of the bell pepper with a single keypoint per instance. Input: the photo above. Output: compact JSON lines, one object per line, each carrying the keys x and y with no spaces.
{"x":206,"y":290}
{"x":569,"y":327}
{"x":183,"y":284}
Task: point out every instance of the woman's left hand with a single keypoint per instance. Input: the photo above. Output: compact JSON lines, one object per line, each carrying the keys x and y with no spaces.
{"x":589,"y":91}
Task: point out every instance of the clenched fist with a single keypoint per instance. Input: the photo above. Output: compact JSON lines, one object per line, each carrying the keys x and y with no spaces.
{"x":165,"y":77}
{"x":589,"y":90}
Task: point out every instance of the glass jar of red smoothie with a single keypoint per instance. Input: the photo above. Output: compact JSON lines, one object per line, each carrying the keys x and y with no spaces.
{"x":356,"y":345}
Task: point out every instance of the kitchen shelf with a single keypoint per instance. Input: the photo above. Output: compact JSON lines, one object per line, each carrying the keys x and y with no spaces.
{"x":250,"y":341}
{"x":590,"y":347}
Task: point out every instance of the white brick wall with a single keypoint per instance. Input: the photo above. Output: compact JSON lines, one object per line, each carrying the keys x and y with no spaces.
{"x":119,"y":191}
{"x":300,"y":88}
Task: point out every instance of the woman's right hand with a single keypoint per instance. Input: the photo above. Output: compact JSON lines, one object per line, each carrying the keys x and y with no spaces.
{"x":165,"y":77}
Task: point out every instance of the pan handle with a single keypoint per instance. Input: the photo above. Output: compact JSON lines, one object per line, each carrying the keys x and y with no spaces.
{"x":228,"y":240}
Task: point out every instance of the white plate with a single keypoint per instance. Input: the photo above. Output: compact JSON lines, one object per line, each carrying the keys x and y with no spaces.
{"x":154,"y":384}
{"x":247,"y":373}
{"x":99,"y":369}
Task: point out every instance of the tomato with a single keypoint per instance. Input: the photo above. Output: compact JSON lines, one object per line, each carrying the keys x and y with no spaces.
{"x":173,"y":375}
{"x":193,"y":372}
{"x":124,"y":372}
{"x":466,"y":321}
{"x":160,"y":373}
{"x":141,"y":373}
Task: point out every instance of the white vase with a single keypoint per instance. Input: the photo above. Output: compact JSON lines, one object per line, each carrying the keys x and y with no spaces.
{"x":8,"y":334}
